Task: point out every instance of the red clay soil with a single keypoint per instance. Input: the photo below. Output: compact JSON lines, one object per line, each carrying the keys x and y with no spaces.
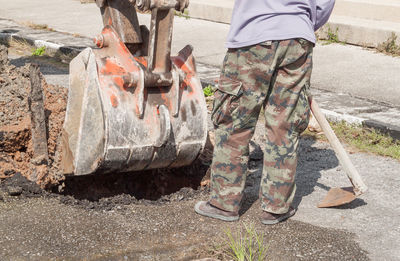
{"x":15,"y":134}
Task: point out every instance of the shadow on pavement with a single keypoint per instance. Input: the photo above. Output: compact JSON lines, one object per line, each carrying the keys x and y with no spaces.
{"x":311,"y":161}
{"x":147,"y":184}
{"x":358,"y":202}
{"x":47,"y":65}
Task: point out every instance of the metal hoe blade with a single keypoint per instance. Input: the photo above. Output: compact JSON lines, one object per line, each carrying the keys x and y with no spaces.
{"x":337,"y":197}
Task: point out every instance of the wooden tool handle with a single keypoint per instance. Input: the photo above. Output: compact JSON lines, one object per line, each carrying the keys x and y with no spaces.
{"x":352,"y":173}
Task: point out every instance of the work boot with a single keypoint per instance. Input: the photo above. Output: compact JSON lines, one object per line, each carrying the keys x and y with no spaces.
{"x":206,"y":209}
{"x":268,"y":218}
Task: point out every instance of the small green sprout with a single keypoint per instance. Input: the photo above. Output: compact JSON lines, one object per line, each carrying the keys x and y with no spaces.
{"x":39,"y":51}
{"x":208,"y":91}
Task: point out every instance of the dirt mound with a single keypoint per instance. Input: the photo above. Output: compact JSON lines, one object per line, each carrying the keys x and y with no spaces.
{"x":16,"y":155}
{"x":19,"y":185}
{"x":159,"y":186}
{"x":115,"y":191}
{"x":13,"y":83}
{"x":14,"y":120}
{"x":119,"y":201}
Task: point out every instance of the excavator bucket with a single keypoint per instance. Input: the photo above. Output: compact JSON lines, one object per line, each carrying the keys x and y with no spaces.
{"x":130,"y":112}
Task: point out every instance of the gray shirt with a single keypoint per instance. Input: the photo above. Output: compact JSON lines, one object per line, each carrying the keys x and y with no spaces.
{"x":256,"y":21}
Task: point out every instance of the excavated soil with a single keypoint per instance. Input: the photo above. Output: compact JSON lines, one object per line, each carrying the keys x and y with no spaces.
{"x":105,"y":191}
{"x":16,"y":153}
{"x":18,"y":185}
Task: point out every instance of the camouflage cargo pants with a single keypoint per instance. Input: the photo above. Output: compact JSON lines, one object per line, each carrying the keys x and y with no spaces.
{"x":274,"y":75}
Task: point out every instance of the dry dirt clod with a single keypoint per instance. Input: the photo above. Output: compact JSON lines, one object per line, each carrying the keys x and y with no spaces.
{"x":39,"y":160}
{"x":38,"y":118}
{"x":14,"y":190}
{"x":18,"y":185}
{"x":3,"y":56}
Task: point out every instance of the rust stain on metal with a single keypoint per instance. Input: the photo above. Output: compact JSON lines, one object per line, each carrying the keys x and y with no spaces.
{"x":114,"y":101}
{"x":111,"y":68}
{"x":337,"y":197}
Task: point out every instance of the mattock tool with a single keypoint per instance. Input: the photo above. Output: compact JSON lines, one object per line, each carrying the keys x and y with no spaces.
{"x":131,"y":105}
{"x":338,"y":196}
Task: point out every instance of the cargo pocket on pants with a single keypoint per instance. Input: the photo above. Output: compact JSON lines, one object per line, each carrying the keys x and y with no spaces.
{"x":303,"y":110}
{"x":226,"y":100}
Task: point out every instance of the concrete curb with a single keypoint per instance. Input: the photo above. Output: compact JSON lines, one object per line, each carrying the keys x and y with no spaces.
{"x":58,"y":49}
{"x":52,"y":48}
{"x":391,"y":130}
{"x":358,"y":31}
{"x":385,"y":128}
{"x":338,"y":117}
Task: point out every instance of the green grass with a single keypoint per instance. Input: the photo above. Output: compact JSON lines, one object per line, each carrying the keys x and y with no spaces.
{"x":245,"y":244}
{"x":184,"y":14}
{"x":332,"y":36}
{"x":390,"y":46}
{"x":38,"y":26}
{"x":364,"y":139}
{"x":39,"y":51}
{"x":208,"y":91}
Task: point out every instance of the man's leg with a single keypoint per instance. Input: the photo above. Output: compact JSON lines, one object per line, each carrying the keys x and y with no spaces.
{"x":238,"y":100}
{"x":286,"y":116}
